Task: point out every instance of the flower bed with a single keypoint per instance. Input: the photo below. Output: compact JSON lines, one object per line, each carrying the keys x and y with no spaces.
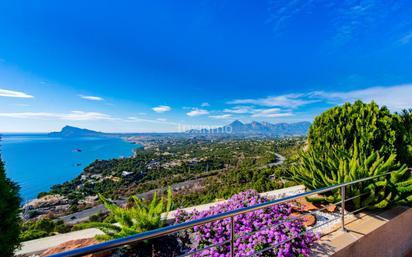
{"x":267,"y":223}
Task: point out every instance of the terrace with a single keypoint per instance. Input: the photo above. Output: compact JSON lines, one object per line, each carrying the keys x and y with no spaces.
{"x":346,"y":233}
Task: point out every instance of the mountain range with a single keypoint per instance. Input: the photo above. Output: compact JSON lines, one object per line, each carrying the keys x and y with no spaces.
{"x":260,"y":128}
{"x":236,"y":128}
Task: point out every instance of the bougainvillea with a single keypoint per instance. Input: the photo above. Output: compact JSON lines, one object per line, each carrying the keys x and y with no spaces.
{"x":272,"y":227}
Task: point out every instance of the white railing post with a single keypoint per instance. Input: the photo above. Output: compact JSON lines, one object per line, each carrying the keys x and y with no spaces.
{"x":232,"y":237}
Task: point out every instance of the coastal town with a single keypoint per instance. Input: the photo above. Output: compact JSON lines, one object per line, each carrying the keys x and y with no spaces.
{"x":185,"y":164}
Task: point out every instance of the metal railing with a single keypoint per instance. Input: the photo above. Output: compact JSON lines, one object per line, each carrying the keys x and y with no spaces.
{"x":164,"y":231}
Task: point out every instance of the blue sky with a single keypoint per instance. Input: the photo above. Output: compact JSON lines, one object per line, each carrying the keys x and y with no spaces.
{"x":134,"y":66}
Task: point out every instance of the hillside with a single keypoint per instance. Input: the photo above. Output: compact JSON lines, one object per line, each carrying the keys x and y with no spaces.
{"x":69,"y":131}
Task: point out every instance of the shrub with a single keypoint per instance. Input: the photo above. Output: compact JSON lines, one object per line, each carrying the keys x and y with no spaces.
{"x":406,"y":121}
{"x":42,"y":228}
{"x":372,"y":128}
{"x":137,"y":218}
{"x":266,"y":223}
{"x":41,"y":194}
{"x":9,"y":214}
{"x":98,"y":217}
{"x":355,"y":141}
{"x":33,"y":234}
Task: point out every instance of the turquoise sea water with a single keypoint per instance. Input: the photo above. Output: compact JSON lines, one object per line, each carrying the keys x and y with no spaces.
{"x":37,"y":162}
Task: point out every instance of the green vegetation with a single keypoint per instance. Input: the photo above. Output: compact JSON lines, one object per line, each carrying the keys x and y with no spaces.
{"x":205,"y":170}
{"x":42,"y":228}
{"x":406,"y":121}
{"x":354,"y":141}
{"x":138,"y":217}
{"x":231,"y":165}
{"x":235,"y":181}
{"x":9,"y":214}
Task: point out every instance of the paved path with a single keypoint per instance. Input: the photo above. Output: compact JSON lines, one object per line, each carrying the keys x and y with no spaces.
{"x":281,"y":159}
{"x":84,"y":215}
{"x":40,"y":245}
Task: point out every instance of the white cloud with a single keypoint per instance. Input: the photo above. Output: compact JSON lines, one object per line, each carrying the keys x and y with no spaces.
{"x":260,"y":112}
{"x":285,"y":101}
{"x":239,"y":110}
{"x":11,"y":93}
{"x":156,"y":121}
{"x":282,"y":11}
{"x":205,"y":104}
{"x":270,"y":113}
{"x":21,"y":105}
{"x":27,"y":115}
{"x":91,"y":98}
{"x":347,"y":19}
{"x":221,"y":117}
{"x":406,"y":39}
{"x":197,"y":112}
{"x":72,"y":116}
{"x":81,"y":116}
{"x":161,"y":108}
{"x":394,"y":97}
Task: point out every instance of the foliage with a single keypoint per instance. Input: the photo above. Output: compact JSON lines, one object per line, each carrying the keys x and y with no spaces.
{"x":245,"y":166}
{"x":9,"y":214}
{"x":235,"y":181}
{"x":406,"y":121}
{"x":42,"y":228}
{"x":98,"y":217}
{"x":315,"y":173}
{"x":247,"y":175}
{"x":33,"y":234}
{"x":138,"y":217}
{"x":232,"y":165}
{"x":355,"y":141}
{"x":266,"y":223}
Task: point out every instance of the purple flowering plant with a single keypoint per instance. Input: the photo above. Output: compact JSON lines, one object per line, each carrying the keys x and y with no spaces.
{"x":267,"y":223}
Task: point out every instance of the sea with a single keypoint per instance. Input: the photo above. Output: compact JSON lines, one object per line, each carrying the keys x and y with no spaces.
{"x":37,"y":161}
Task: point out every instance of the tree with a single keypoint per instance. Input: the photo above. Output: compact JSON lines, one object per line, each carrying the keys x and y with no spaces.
{"x":355,"y":141}
{"x":373,"y":129}
{"x":406,"y":127}
{"x":9,"y":214}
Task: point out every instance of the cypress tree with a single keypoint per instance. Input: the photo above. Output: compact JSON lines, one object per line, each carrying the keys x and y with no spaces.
{"x":9,"y":214}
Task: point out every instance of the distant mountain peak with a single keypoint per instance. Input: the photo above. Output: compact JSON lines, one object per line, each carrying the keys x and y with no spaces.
{"x":70,"y":131}
{"x":236,"y":123}
{"x":68,"y":127}
{"x":255,"y":124}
